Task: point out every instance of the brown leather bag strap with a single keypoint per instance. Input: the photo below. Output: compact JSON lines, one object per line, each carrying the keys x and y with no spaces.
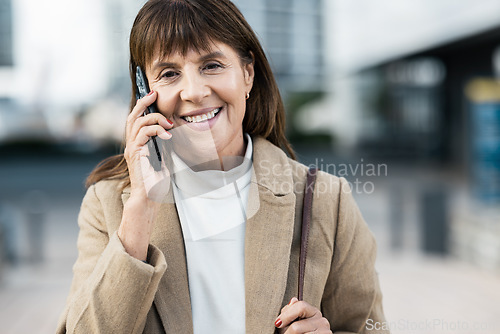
{"x":306,"y":221}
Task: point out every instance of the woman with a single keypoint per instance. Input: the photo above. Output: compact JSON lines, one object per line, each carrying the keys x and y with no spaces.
{"x":210,"y":244}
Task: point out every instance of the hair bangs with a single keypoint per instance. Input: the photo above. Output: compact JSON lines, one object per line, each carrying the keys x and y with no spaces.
{"x":179,"y":27}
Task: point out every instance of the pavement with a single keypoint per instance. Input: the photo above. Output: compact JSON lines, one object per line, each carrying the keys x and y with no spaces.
{"x":423,"y":293}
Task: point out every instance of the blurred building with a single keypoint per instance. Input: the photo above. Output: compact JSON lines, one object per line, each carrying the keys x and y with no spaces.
{"x":292,"y":33}
{"x":423,"y":111}
{"x":6,"y":54}
{"x":401,"y":73}
{"x":58,"y":62}
{"x":6,"y":57}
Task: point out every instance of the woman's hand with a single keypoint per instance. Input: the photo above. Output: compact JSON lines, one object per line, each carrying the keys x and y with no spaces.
{"x":301,"y":317}
{"x":148,"y":187}
{"x":139,"y":130}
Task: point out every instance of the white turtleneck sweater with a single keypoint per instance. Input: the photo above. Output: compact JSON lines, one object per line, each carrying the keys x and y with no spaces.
{"x":212,"y":211}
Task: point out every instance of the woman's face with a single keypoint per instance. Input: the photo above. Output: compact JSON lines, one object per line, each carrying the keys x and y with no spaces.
{"x":204,"y":93}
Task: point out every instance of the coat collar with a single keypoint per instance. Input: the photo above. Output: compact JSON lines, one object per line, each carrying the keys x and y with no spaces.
{"x":268,"y":240}
{"x":268,"y":237}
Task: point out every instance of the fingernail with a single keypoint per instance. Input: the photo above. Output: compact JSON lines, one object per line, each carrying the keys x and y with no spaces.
{"x":166,"y":123}
{"x":170,"y":122}
{"x":278,"y":322}
{"x":165,"y":135}
{"x":292,"y":300}
{"x":150,"y":93}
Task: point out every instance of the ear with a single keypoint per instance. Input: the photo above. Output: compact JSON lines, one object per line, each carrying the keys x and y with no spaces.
{"x":249,"y":73}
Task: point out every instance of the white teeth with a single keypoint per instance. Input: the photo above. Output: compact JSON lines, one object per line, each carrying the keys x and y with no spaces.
{"x":202,"y":118}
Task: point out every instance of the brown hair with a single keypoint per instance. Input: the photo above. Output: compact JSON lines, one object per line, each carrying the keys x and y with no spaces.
{"x":182,"y":25}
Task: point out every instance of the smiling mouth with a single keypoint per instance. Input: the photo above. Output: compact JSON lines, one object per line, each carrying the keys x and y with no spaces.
{"x":203,"y":117}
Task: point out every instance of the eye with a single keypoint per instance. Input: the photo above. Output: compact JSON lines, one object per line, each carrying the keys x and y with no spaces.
{"x":212,"y":66}
{"x":169,"y":75}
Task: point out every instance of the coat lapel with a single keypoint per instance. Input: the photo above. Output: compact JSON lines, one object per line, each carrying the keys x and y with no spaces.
{"x":172,"y":300}
{"x":268,"y":237}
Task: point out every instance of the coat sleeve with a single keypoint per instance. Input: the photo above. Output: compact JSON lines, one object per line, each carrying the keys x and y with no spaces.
{"x":111,"y":291}
{"x":352,"y":300}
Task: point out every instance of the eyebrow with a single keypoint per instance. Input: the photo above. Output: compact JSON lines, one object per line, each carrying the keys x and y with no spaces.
{"x":211,"y":55}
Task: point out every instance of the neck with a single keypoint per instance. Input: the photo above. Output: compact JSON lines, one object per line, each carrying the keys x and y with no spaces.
{"x":218,"y":160}
{"x":235,"y":159}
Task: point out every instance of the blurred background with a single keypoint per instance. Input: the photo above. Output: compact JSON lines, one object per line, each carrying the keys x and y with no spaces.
{"x":400,"y":97}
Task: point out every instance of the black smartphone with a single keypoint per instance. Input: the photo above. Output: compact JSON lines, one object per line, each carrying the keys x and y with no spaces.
{"x":143,"y":90}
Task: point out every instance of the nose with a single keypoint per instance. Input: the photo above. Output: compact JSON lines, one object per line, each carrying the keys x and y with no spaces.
{"x":194,"y":87}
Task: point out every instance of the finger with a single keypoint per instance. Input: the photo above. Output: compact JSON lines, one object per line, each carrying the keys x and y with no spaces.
{"x":292,"y":301}
{"x":156,"y":183}
{"x":299,"y":309}
{"x":310,"y":325}
{"x":139,"y":108}
{"x":146,"y":132}
{"x":153,"y":118}
{"x":150,"y":119}
{"x":143,"y":103}
{"x":301,"y":326}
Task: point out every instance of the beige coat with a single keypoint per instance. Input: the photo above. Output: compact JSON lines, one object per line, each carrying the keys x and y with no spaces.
{"x":113,"y":292}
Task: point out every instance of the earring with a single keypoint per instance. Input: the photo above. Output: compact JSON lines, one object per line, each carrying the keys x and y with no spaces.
{"x":248,"y":95}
